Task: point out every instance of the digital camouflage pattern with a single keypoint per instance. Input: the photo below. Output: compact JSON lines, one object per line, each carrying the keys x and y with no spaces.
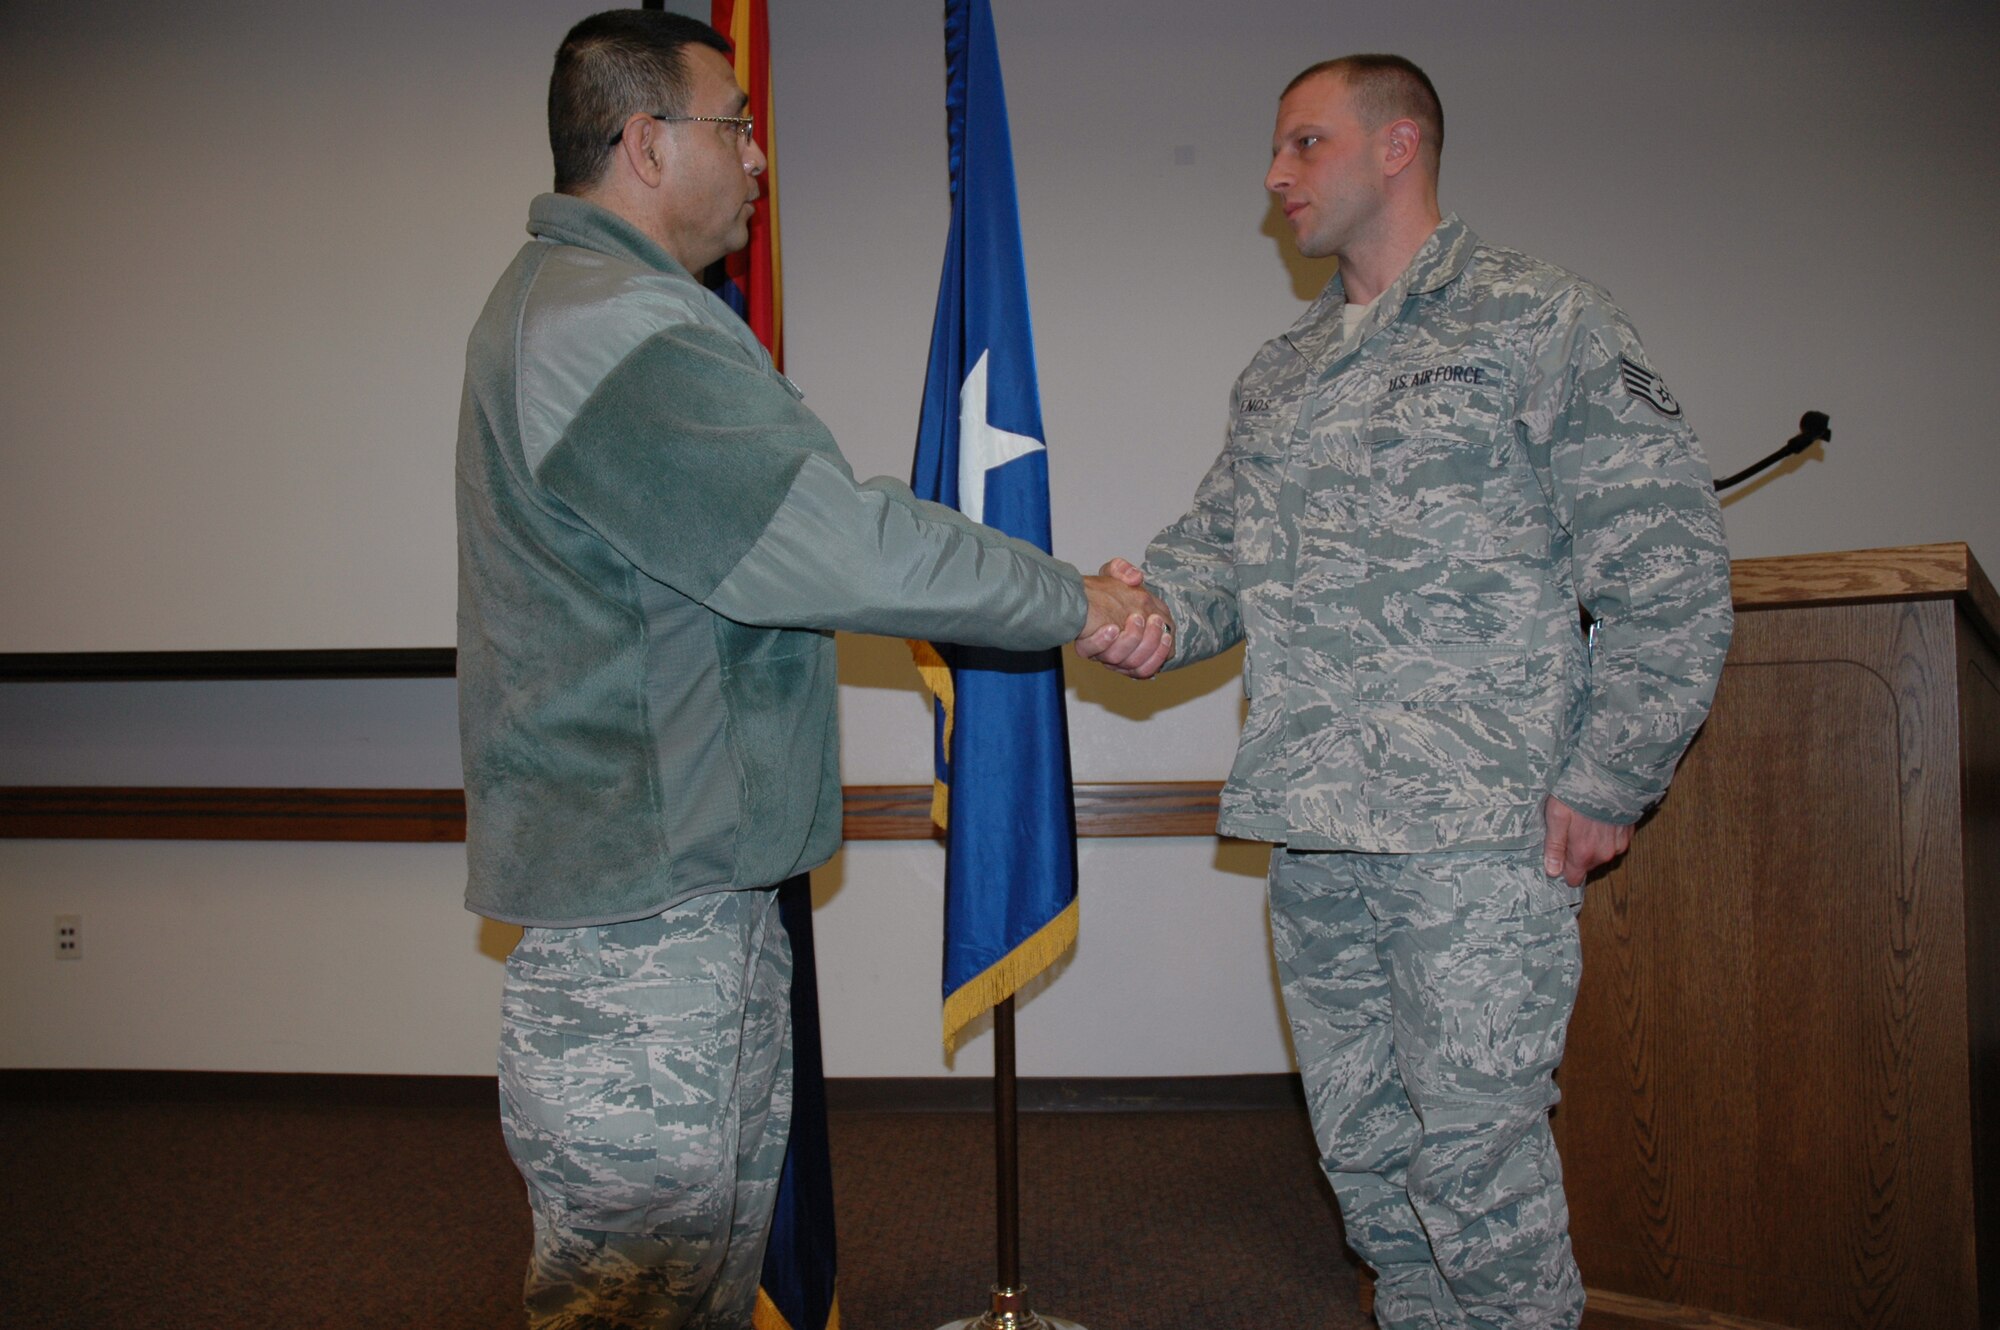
{"x":1403,"y":524}
{"x":1428,"y":996}
{"x":646,"y":1084}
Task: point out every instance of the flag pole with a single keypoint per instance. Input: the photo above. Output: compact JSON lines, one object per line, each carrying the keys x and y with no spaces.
{"x":1004,"y":795}
{"x":1010,"y":1309}
{"x":797,"y":1288}
{"x":1006,"y":1146}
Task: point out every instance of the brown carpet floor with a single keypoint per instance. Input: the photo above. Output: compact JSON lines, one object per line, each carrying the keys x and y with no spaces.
{"x":275,"y":1211}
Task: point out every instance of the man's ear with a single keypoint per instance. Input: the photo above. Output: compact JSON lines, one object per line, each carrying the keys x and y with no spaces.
{"x":641,"y":145}
{"x":1401,"y":149}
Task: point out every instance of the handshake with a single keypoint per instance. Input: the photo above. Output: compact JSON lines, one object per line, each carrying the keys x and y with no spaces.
{"x":1128,"y":629}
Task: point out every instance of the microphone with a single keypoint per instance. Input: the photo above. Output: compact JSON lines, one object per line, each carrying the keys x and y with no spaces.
{"x":1813,"y":428}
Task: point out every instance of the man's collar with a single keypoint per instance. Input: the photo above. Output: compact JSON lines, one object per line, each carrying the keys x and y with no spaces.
{"x":1442,"y":258}
{"x":1444,"y":254}
{"x":569,"y":220}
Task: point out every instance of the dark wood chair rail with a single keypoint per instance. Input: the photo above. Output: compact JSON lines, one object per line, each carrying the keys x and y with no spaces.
{"x":873,"y":812}
{"x":186,"y":666}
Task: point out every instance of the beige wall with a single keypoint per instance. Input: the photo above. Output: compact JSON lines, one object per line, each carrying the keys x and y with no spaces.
{"x":241,"y":246}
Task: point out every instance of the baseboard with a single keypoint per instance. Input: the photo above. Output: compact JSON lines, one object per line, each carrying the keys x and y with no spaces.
{"x":195,"y":1087}
{"x":848,"y":1094}
{"x":1623,"y":1311}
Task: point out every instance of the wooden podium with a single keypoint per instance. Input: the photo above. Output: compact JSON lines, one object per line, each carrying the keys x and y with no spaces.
{"x":1781,"y":1098}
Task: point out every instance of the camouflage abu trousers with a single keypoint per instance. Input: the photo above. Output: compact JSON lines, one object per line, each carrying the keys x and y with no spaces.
{"x":1428,"y":997}
{"x":645,"y":1094}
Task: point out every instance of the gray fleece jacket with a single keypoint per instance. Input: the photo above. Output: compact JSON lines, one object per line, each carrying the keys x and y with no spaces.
{"x":656,"y":538}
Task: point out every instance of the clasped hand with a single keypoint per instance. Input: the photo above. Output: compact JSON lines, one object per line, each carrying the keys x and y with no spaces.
{"x":1128,"y":629}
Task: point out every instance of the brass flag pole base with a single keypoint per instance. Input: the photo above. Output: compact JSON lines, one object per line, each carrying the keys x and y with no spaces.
{"x":1011,"y":1312}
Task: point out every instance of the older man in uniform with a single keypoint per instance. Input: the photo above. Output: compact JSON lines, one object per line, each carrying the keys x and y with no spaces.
{"x":654,"y":538}
{"x":1455,"y":448}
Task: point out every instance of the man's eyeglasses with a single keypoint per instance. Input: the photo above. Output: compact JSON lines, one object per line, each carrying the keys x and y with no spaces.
{"x":742,"y":124}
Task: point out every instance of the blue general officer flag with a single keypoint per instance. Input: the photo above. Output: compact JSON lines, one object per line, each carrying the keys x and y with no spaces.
{"x":1003,"y":780}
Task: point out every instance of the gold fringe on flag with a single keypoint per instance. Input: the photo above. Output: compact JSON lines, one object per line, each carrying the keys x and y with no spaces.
{"x":1002,"y":979}
{"x":766,"y":1316}
{"x":937,"y":677}
{"x":767,"y":122}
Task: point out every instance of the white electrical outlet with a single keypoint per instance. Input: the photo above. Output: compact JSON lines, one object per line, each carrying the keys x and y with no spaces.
{"x":69,"y":937}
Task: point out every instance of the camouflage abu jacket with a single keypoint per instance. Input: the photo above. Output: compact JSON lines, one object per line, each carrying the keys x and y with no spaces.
{"x":1403,"y":525}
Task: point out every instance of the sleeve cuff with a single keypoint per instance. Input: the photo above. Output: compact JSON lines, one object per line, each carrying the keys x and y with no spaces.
{"x":1591,"y":789}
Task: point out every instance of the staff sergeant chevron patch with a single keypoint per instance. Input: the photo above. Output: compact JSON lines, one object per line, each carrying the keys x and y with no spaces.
{"x":1649,"y":387}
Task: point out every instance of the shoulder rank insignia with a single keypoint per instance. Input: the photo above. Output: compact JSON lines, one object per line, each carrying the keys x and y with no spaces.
{"x":1648,"y":387}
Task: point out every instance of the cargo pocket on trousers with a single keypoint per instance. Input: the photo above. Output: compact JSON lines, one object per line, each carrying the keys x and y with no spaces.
{"x":581,"y":1104}
{"x":1504,"y":972}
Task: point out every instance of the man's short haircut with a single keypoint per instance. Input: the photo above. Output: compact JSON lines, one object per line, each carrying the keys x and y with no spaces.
{"x":1385,"y":88}
{"x":612,"y":66}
